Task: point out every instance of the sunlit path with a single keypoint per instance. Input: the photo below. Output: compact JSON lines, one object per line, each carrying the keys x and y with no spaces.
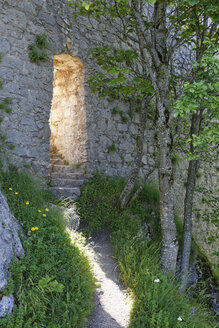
{"x":112,"y":303}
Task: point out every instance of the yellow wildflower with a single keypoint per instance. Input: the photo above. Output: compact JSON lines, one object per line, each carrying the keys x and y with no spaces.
{"x":10,"y":189}
{"x":47,"y":210}
{"x":44,"y":214}
{"x":34,"y":228}
{"x":16,"y":193}
{"x":27,"y":203}
{"x":39,"y":211}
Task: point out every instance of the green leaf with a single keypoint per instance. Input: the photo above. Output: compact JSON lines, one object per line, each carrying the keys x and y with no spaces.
{"x":151,"y":1}
{"x":86,"y":5}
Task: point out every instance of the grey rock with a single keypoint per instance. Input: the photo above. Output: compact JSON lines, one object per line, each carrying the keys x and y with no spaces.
{"x":48,"y":19}
{"x":10,"y":243}
{"x":2,"y":28}
{"x":145,"y":231}
{"x":133,"y":128}
{"x":144,"y":159}
{"x":4,"y":46}
{"x":6,"y":305}
{"x":122,"y":127}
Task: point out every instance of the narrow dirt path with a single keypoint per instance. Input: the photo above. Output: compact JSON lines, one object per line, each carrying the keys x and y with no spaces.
{"x":112,"y":303}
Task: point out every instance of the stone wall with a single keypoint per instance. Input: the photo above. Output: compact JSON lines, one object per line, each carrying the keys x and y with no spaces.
{"x":31,"y":88}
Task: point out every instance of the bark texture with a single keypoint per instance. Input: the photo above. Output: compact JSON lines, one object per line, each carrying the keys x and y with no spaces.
{"x":165,"y":168}
{"x":125,"y":194}
{"x":187,"y":225}
{"x":188,"y":203}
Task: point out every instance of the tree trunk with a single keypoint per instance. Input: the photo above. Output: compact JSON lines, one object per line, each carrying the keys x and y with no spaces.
{"x":161,"y":72}
{"x":165,"y":170}
{"x":187,"y":226}
{"x":125,"y":194}
{"x":156,"y":59}
{"x":188,"y":204}
{"x":142,"y":185}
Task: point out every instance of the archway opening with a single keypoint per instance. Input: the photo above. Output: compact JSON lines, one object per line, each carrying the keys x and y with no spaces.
{"x":68,"y":115}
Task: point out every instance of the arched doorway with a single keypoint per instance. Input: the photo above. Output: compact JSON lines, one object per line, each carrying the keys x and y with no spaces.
{"x":68,"y":116}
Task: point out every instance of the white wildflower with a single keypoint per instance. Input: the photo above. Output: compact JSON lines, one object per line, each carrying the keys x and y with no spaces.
{"x":179,"y":319}
{"x":157,"y":280}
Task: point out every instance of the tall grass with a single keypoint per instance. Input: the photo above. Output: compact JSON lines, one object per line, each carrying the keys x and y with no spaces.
{"x":53,"y":283}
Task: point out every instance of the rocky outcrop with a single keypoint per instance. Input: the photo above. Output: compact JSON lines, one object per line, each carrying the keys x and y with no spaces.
{"x":10,"y":246}
{"x":6,"y":305}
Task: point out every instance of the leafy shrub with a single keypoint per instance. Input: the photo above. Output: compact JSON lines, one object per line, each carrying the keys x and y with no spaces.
{"x":52,"y":284}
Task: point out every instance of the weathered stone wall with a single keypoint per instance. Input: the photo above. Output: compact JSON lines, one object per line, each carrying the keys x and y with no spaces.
{"x":31,"y":88}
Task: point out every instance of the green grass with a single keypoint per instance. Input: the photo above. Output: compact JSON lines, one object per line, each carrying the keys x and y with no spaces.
{"x":112,"y":148}
{"x":53,"y":283}
{"x":156,"y":304}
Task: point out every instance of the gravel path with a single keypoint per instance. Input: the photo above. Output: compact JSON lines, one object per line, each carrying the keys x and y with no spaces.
{"x":112,"y":303}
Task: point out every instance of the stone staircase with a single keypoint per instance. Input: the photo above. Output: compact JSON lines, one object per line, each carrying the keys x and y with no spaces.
{"x":66,"y":180}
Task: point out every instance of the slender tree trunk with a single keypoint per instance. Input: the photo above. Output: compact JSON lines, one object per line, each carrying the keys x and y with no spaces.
{"x":135,"y":195}
{"x":157,"y":62}
{"x":188,"y":204}
{"x":195,"y":129}
{"x":125,"y":194}
{"x":165,"y":170}
{"x":187,"y":226}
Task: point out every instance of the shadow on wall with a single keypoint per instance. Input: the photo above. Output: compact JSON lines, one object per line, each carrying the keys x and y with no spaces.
{"x":68,"y":114}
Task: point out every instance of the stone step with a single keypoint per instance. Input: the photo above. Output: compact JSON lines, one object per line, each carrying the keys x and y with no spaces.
{"x":64,"y":175}
{"x":67,"y":168}
{"x":68,"y":183}
{"x":63,"y":168}
{"x":55,"y":155}
{"x":63,"y":193}
{"x":75,"y":175}
{"x":57,"y":161}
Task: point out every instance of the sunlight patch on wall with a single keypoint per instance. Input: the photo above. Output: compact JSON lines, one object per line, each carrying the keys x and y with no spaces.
{"x":68,"y":115}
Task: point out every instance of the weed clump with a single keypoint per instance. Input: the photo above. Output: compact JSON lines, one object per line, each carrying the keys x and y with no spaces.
{"x":37,"y":50}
